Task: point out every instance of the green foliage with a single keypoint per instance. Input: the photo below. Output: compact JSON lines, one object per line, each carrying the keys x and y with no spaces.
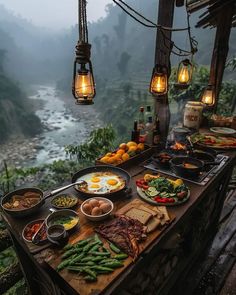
{"x":7,"y":258}
{"x":15,"y":111}
{"x":99,"y":142}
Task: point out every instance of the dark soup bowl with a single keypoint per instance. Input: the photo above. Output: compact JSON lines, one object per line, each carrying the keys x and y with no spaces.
{"x":22,"y":202}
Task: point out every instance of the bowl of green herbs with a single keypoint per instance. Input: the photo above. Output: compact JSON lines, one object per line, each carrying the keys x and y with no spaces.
{"x":66,"y":217}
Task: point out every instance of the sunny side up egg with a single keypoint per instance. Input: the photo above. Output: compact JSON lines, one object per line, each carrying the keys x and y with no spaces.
{"x":102,"y":183}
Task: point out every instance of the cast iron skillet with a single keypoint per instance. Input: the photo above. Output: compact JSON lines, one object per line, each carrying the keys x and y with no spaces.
{"x":178,"y":162}
{"x":102,"y":168}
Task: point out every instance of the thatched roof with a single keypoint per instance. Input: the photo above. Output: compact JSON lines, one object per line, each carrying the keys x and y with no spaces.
{"x":213,"y":9}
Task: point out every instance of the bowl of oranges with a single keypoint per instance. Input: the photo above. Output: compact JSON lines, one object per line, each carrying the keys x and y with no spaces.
{"x":125,"y":152}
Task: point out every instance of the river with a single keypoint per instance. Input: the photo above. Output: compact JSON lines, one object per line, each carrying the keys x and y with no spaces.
{"x":62,"y":128}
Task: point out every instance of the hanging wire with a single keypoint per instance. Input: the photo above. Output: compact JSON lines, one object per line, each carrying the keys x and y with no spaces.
{"x":174,"y":48}
{"x":152,"y":24}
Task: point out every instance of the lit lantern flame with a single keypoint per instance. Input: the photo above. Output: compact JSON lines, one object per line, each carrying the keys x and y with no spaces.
{"x":184,"y":74}
{"x":158,"y":85}
{"x":208,"y":96}
{"x":84,"y":86}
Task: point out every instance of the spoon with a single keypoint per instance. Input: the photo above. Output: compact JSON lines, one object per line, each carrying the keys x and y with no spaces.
{"x":58,"y":190}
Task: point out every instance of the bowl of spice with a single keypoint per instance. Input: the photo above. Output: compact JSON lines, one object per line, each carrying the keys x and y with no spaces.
{"x":64,"y":201}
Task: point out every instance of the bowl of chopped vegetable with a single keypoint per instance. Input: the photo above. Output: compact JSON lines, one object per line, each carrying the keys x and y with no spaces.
{"x":64,"y":201}
{"x":66,"y":217}
{"x":32,"y":228}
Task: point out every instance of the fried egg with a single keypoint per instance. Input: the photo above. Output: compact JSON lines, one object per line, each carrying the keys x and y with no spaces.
{"x":102,"y":182}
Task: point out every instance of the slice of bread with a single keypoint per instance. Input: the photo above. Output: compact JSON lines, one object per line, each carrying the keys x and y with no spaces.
{"x":152,"y":224}
{"x":164,"y":211}
{"x":153,"y":212}
{"x":141,"y":215}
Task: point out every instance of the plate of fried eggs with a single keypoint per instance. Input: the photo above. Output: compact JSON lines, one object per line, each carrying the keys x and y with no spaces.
{"x":101,"y":183}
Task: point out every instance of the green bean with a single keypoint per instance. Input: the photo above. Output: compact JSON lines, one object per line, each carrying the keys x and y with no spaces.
{"x":96,"y":253}
{"x":88,"y":263}
{"x":113,"y":264}
{"x":96,"y":239}
{"x":89,"y":246}
{"x":108,"y":260}
{"x":71,"y":252}
{"x":75,"y":268}
{"x":90,"y":272}
{"x":102,"y":269}
{"x":97,"y":258}
{"x":65,"y":262}
{"x":120,"y":256}
{"x":114,"y":248}
{"x":94,"y":248}
{"x":88,"y":258}
{"x":76,"y":259}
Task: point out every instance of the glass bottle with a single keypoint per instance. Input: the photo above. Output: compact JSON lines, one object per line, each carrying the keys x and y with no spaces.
{"x":149,"y":131}
{"x":135,"y":133}
{"x":141,"y":125}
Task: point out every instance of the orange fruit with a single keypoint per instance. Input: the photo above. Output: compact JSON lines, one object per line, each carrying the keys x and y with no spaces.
{"x":120,"y":152}
{"x":111,"y":160}
{"x":141,"y":146}
{"x":132,"y":149}
{"x":125,"y":157}
{"x":131,"y":143}
{"x":123,"y":146}
{"x":104,"y":159}
{"x":108,"y":154}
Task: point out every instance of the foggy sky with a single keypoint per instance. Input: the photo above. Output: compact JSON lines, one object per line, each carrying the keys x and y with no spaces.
{"x":55,"y":14}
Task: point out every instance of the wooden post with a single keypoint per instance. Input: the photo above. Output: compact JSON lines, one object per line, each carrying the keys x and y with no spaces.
{"x":221,"y":47}
{"x":162,"y":57}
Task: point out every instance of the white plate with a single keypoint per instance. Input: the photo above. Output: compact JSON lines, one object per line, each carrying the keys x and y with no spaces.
{"x":223,"y":130}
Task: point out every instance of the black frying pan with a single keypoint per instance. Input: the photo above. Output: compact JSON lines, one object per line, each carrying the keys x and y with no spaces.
{"x":102,"y":168}
{"x":189,"y":166}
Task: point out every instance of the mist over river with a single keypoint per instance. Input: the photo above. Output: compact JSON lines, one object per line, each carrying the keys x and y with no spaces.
{"x":64,"y":123}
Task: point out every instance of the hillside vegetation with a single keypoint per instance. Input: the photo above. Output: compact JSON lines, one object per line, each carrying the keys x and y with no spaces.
{"x":16,"y":114}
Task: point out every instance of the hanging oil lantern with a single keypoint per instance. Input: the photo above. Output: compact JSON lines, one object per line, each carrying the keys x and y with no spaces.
{"x":184,"y":74}
{"x":159,"y":84}
{"x":83,"y":86}
{"x":208,"y":96}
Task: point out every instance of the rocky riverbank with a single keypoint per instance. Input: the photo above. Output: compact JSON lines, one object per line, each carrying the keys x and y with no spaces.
{"x":64,"y":123}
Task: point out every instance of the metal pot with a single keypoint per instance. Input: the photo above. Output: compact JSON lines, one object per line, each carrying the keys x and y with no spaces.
{"x":102,"y":168}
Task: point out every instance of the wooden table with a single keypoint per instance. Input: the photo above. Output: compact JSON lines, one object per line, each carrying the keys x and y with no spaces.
{"x":178,"y":246}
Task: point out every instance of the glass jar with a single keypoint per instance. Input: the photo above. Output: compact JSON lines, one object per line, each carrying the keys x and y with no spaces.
{"x":193,"y":114}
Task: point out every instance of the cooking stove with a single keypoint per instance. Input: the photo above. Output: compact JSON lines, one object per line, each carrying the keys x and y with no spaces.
{"x":202,"y":179}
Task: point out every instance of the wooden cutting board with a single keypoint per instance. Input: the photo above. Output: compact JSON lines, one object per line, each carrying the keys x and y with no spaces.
{"x":103,"y":281}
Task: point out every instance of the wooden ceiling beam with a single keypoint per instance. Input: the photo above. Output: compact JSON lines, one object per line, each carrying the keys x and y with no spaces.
{"x":221,"y":47}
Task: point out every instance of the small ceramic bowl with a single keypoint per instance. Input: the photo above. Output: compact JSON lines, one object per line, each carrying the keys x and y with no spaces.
{"x":100,"y":216}
{"x":61,"y":215}
{"x":63,"y":205}
{"x":57,"y":234}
